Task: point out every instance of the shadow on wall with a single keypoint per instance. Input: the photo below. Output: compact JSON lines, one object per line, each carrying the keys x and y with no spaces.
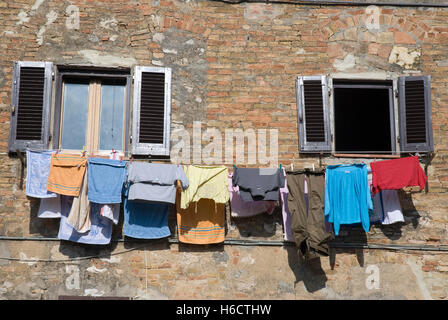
{"x":79,"y":250}
{"x":262,"y":225}
{"x":45,"y":227}
{"x":309,"y":272}
{"x":410,"y":214}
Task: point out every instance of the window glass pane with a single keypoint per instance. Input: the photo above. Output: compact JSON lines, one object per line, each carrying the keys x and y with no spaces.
{"x":76,"y":101}
{"x":112,"y":116}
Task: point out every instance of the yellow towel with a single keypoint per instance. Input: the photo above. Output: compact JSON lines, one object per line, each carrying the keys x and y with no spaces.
{"x":66,"y":174}
{"x":205,"y":182}
{"x":202,"y":223}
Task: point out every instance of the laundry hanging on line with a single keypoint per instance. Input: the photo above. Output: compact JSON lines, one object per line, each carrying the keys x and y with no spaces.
{"x":216,"y":184}
{"x":242,"y":209}
{"x":38,"y":169}
{"x":307,"y":221}
{"x":347,"y":196}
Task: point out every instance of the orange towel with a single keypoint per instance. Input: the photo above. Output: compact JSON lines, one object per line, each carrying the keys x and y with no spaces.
{"x":66,"y":174}
{"x":202,"y":222}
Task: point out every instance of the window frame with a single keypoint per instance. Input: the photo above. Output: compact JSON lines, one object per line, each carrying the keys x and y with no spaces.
{"x":82,"y":72}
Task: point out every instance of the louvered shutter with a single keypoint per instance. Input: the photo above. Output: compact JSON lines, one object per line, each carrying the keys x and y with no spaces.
{"x":30,"y":105}
{"x":313,"y":114}
{"x":151,"y":111}
{"x":415,"y":115}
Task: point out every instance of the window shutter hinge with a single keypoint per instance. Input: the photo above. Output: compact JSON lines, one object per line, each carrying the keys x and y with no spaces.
{"x":396,"y":93}
{"x":329,"y":92}
{"x":50,"y":137}
{"x":398,"y":139}
{"x":13,"y":109}
{"x":52,"y":75}
{"x":130,"y":139}
{"x":331,"y":136}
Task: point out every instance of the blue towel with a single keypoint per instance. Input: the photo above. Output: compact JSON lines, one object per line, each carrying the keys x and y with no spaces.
{"x":37,"y":170}
{"x":146,"y":220}
{"x":106,"y":179}
{"x":100,"y":230}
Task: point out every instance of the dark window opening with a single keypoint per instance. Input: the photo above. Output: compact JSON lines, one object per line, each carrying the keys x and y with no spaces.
{"x":362,"y":114}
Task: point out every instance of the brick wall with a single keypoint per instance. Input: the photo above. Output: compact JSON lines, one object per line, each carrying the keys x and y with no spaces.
{"x":234,"y":66}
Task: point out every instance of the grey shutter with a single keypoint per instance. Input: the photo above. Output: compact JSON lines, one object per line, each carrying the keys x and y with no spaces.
{"x":415,"y":115}
{"x":313,"y":114}
{"x":30,"y":106}
{"x":151,"y":111}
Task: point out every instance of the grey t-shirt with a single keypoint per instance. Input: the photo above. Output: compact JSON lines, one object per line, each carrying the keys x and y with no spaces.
{"x":154,"y":181}
{"x":256,"y":184}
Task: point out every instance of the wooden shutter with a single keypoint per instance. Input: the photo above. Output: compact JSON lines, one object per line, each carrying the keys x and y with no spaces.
{"x":152,"y":111}
{"x":30,"y":106}
{"x":313,"y":114}
{"x":415,"y":115}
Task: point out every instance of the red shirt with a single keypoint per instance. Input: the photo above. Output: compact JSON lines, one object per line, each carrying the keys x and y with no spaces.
{"x":396,"y":174}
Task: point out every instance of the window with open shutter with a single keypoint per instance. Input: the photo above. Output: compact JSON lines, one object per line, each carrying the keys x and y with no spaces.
{"x":30,"y":105}
{"x":152,"y":110}
{"x":313,"y":114}
{"x":414,"y":97}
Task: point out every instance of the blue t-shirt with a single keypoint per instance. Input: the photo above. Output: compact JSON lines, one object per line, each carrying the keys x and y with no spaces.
{"x":347,"y":196}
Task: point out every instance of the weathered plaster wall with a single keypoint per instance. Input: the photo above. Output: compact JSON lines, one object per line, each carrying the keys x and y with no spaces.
{"x":234,"y":66}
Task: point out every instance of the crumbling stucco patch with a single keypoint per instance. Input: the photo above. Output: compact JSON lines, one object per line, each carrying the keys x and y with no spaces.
{"x":109,"y":23}
{"x":97,"y":58}
{"x":349,"y":62}
{"x":23,"y":17}
{"x":406,"y":58}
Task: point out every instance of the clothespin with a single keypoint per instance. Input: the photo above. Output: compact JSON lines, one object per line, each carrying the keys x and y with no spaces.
{"x":292,"y":167}
{"x":234,"y":167}
{"x":313,"y":166}
{"x":280,"y":166}
{"x":83,"y":153}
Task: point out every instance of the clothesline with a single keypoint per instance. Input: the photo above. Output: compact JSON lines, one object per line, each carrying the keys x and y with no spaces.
{"x":90,"y":197}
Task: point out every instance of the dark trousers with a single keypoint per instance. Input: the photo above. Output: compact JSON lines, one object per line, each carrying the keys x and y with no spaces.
{"x":308,"y":226}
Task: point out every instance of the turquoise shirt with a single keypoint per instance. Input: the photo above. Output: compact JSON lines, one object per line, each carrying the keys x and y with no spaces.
{"x":347,"y":196}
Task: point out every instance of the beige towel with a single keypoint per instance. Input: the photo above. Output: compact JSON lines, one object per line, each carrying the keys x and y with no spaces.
{"x":79,"y":216}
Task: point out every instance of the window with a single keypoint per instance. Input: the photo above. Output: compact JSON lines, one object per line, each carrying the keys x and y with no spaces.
{"x":91,"y":109}
{"x":363,"y":115}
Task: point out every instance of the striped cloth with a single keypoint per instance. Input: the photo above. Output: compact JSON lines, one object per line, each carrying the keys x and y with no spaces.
{"x":202,"y":222}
